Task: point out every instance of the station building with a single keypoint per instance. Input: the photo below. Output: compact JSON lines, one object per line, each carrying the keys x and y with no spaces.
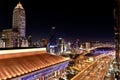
{"x":31,"y":64}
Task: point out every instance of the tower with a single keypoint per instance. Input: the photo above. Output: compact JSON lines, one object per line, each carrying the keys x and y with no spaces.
{"x":52,"y":46}
{"x":18,"y":22}
{"x":53,"y":39}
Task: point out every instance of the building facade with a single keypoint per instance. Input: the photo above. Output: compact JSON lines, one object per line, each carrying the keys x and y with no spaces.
{"x":2,"y":43}
{"x":88,"y":45}
{"x":53,"y":39}
{"x":52,"y":45}
{"x":32,"y":64}
{"x":18,"y":22}
{"x":117,"y":39}
{"x":10,"y":38}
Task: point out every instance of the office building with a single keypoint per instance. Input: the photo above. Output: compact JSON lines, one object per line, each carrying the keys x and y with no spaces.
{"x":19,"y":20}
{"x":10,"y":38}
{"x":117,"y":38}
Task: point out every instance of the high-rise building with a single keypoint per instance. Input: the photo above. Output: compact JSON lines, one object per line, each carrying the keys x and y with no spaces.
{"x":44,"y":42}
{"x":52,"y":46}
{"x":77,"y":43}
{"x":18,"y":22}
{"x":117,"y":38}
{"x":30,"y":41}
{"x":53,"y":39}
{"x":88,"y":45}
{"x":10,"y":38}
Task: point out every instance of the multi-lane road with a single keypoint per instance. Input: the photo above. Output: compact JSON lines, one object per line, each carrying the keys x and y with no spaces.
{"x":95,"y":69}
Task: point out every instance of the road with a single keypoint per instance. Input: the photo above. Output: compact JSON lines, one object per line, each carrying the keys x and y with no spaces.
{"x":93,"y":70}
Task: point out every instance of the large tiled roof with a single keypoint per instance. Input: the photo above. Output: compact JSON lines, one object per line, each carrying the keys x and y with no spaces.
{"x":13,"y":65}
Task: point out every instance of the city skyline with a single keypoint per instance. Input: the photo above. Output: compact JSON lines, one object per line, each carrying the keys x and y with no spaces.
{"x":82,"y":21}
{"x":59,"y":40}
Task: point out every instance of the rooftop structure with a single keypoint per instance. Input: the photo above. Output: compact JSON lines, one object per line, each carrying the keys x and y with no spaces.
{"x":17,"y":63}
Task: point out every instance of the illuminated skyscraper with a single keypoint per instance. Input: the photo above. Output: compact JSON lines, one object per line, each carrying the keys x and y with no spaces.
{"x":10,"y":38}
{"x":18,"y":22}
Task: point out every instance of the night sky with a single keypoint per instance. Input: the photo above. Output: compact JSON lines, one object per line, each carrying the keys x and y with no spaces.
{"x":86,"y":19}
